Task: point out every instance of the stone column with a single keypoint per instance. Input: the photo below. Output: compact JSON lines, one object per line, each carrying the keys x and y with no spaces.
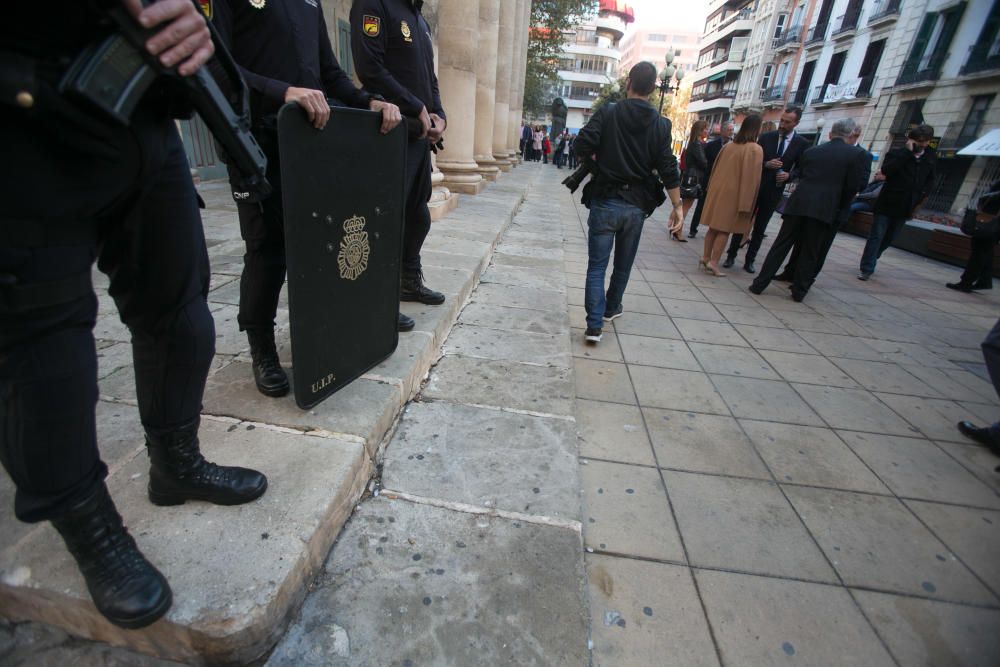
{"x":458,"y":36}
{"x":486,"y":79}
{"x":501,"y":108}
{"x":442,"y":200}
{"x":519,"y":60}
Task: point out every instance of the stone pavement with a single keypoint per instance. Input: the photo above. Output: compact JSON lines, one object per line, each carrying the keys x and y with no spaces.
{"x":725,"y":479}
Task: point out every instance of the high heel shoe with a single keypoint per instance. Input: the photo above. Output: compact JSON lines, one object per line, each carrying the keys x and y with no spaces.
{"x":703,"y":264}
{"x":677,"y":237}
{"x":714,"y":270}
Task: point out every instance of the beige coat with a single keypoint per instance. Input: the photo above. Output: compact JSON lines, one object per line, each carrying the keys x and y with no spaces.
{"x":732,"y":188}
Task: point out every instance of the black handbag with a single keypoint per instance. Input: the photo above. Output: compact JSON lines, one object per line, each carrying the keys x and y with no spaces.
{"x":690,"y":186}
{"x":980,"y":225}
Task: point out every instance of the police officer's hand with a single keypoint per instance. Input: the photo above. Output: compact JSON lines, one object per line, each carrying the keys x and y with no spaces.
{"x":391,"y":116}
{"x":425,"y":122}
{"x":313,"y":101}
{"x":438,"y":125}
{"x":184,"y":39}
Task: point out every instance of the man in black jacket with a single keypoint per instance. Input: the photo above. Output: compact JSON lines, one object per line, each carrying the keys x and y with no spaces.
{"x":628,"y":141}
{"x":782,"y":150}
{"x":909,"y":175}
{"x":712,"y":150}
{"x":829,"y":178}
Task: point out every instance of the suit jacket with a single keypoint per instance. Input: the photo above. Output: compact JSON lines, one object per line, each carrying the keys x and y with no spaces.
{"x":829,"y":176}
{"x":712,"y":150}
{"x":907,"y":182}
{"x":865,"y":171}
{"x":770,"y":189}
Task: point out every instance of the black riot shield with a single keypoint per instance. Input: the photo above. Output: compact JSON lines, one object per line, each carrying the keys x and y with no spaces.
{"x":343,"y":202}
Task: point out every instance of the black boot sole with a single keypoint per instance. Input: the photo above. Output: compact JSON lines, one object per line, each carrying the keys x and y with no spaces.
{"x":426,"y":302}
{"x":274,"y":392}
{"x":148,"y":618}
{"x":172,"y":499}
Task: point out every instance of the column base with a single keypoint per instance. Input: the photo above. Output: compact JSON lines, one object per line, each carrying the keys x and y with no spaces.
{"x":503,"y":162}
{"x":463,"y":177}
{"x":443,"y":201}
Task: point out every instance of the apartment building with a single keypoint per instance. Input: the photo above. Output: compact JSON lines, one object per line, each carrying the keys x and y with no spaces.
{"x":591,"y":59}
{"x":771,"y":59}
{"x":723,"y":51}
{"x":651,"y":43}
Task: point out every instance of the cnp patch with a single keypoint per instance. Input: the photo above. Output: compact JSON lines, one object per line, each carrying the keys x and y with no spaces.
{"x":371,"y":25}
{"x":405,"y":29}
{"x":206,"y":8}
{"x":258,"y":4}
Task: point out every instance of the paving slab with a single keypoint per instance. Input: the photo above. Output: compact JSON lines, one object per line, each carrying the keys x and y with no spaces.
{"x":661,"y":352}
{"x":916,"y":468}
{"x":226,"y":608}
{"x":768,"y":400}
{"x":507,"y":295}
{"x":876,"y":543}
{"x":676,"y":390}
{"x":413,"y":584}
{"x":926,"y":632}
{"x":525,"y":347}
{"x":717,"y":333}
{"x":645,"y":613}
{"x":811,"y":456}
{"x":744,"y":525}
{"x":626,"y":511}
{"x":764,"y":621}
{"x":768,"y":338}
{"x":973,"y":534}
{"x":808,"y":368}
{"x":977,"y":459}
{"x":933,"y":418}
{"x":513,"y":317}
{"x":502,"y":384}
{"x":728,"y":360}
{"x":612,"y":432}
{"x":695,"y":442}
{"x":603,"y":381}
{"x":643,"y":324}
{"x":487,"y":458}
{"x":854,"y":409}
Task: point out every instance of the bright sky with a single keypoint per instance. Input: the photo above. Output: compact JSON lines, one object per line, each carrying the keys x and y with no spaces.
{"x":684,"y":14}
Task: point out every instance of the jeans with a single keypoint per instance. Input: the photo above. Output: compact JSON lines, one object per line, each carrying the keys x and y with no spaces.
{"x":880,"y":237}
{"x":613,"y":223}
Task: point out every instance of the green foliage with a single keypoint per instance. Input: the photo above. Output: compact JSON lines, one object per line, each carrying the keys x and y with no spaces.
{"x":549,"y":20}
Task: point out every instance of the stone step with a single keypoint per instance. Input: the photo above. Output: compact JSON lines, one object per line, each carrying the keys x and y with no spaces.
{"x":239,"y":574}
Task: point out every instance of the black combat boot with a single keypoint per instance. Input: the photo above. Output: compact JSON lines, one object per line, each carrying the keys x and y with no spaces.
{"x":268,"y":374}
{"x":178,"y":472}
{"x":124,"y":586}
{"x":412,"y":288}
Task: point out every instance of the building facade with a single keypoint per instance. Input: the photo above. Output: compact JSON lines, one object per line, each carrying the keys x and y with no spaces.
{"x":651,"y":43}
{"x":888,"y":64}
{"x":591,"y":59}
{"x":721,"y":57}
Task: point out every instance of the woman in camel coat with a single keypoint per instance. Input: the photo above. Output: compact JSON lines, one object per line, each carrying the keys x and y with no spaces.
{"x":733,"y":196}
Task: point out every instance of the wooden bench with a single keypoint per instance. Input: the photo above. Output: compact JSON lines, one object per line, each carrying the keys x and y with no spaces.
{"x":859,"y":224}
{"x":956,"y":246}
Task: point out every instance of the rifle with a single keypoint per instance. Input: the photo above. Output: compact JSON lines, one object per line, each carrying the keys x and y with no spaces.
{"x":115,"y":73}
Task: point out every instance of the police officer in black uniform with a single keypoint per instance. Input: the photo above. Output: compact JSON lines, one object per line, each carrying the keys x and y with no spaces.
{"x":394,"y":57}
{"x":284,"y":52}
{"x":87,"y":187}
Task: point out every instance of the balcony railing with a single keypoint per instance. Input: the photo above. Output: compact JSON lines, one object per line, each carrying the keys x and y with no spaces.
{"x":980,"y":60}
{"x":883,"y":10}
{"x":866,"y":87}
{"x":714,"y":95}
{"x":817,"y":34}
{"x":846,"y":23}
{"x":773,"y":94}
{"x":742,"y":15}
{"x":789,"y":39}
{"x":819,"y":92}
{"x":798,"y":97}
{"x":953,"y":139}
{"x":927,"y":73}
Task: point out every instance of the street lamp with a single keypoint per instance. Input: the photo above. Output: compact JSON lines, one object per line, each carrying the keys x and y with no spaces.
{"x":669,"y":72}
{"x":820,"y":122}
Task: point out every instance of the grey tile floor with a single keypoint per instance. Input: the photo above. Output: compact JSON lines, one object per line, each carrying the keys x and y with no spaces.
{"x":785,"y":480}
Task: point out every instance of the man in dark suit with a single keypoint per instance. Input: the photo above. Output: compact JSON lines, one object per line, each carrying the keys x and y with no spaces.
{"x":909,"y":175}
{"x":829,"y":176}
{"x":712,"y":150}
{"x":865,"y":164}
{"x":782,"y":150}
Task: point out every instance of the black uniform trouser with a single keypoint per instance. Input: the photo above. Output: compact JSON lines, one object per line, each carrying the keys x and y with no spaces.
{"x":979,"y":268}
{"x":87,"y":190}
{"x":418,"y":192}
{"x":810,"y":235}
{"x":766,"y":203}
{"x":262,"y":226}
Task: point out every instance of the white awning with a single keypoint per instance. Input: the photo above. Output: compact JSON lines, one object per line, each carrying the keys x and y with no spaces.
{"x":988,"y":144}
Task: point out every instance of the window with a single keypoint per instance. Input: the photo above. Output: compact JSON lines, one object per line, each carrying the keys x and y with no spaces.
{"x":930,"y":48}
{"x":765,"y":81}
{"x":910,"y":113}
{"x":974,"y":121}
{"x":344,"y":47}
{"x":835,"y":68}
{"x":780,"y":26}
{"x":986,"y":51}
{"x":869,"y":66}
{"x":657,"y":38}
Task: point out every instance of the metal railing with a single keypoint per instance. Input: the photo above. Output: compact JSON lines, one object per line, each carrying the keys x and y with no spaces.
{"x":846,"y":22}
{"x":789,"y":38}
{"x":980,"y":61}
{"x":884,"y":9}
{"x":714,"y":95}
{"x":772,"y":94}
{"x":798,"y":97}
{"x":817,"y":33}
{"x":931,"y":72}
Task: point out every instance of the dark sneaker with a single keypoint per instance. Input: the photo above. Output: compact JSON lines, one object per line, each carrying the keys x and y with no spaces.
{"x":864,"y":275}
{"x":593,"y":334}
{"x":980,"y":435}
{"x":611,"y":315}
{"x":960,"y":287}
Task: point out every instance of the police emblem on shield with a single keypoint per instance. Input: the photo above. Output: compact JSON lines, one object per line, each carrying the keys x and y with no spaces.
{"x":354,"y":249}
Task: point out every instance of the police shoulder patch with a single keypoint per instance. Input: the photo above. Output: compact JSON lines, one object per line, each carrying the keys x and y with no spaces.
{"x":206,"y":8}
{"x":371,"y":25}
